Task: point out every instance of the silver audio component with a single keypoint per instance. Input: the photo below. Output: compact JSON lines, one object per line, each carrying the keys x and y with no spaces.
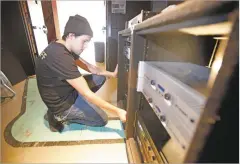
{"x":176,"y":92}
{"x":127,"y":52}
{"x":140,"y":18}
{"x":127,"y":47}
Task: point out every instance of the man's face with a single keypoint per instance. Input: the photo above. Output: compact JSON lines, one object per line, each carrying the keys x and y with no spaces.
{"x":79,"y":43}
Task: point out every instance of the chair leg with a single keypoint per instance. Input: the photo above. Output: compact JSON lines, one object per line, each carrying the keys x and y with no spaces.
{"x":6,"y":86}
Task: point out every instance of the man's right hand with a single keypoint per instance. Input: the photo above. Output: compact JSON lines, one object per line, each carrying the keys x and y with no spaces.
{"x":82,"y":87}
{"x":122,"y":114}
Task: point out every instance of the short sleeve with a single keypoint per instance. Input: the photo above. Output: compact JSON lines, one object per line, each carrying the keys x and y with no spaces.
{"x":65,"y":68}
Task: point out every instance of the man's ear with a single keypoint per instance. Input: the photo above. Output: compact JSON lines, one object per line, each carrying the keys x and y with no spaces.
{"x":71,"y":35}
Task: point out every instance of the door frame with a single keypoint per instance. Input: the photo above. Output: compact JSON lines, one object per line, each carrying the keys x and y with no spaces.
{"x":27,"y":23}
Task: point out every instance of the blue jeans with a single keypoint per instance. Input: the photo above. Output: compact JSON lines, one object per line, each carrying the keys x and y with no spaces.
{"x":84,"y":112}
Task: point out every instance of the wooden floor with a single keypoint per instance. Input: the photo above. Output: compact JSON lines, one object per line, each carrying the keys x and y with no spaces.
{"x":56,"y":154}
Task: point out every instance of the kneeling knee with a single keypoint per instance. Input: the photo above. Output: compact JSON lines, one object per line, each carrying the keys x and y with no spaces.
{"x":103,"y":122}
{"x":103,"y":79}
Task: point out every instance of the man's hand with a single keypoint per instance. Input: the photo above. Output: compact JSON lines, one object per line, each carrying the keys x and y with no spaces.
{"x":110,"y":74}
{"x":122,"y":114}
{"x":82,"y":87}
{"x":98,"y":71}
{"x":107,"y":73}
{"x":115,"y":73}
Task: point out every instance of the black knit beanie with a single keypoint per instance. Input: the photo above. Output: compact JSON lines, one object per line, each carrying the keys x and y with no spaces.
{"x":78,"y":25}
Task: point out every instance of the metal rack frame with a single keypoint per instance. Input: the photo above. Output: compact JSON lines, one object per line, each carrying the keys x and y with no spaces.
{"x":187,"y":14}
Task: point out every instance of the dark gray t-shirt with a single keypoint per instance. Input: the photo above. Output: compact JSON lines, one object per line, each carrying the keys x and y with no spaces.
{"x":53,"y":66}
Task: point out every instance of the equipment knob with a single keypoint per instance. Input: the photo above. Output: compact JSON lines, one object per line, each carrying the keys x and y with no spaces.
{"x":167,"y":96}
{"x":163,"y":118}
{"x":153,"y":82}
{"x":150,"y":100}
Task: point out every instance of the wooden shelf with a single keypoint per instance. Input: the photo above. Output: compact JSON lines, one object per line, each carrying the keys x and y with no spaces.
{"x":134,"y":155}
{"x":185,"y":11}
{"x":210,"y":25}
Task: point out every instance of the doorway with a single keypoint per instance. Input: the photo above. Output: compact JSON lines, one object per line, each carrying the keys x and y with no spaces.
{"x":38,"y":25}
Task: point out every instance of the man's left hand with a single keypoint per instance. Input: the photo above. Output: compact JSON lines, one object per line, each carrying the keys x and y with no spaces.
{"x":115,"y":73}
{"x":98,"y":71}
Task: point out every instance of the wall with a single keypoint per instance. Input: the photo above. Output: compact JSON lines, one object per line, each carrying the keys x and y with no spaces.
{"x":11,"y":67}
{"x":14,"y":42}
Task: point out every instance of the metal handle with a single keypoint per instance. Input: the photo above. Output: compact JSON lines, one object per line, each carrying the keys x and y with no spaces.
{"x":45,"y":30}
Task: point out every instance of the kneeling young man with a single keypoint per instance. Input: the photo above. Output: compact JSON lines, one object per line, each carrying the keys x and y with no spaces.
{"x":68,"y":95}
